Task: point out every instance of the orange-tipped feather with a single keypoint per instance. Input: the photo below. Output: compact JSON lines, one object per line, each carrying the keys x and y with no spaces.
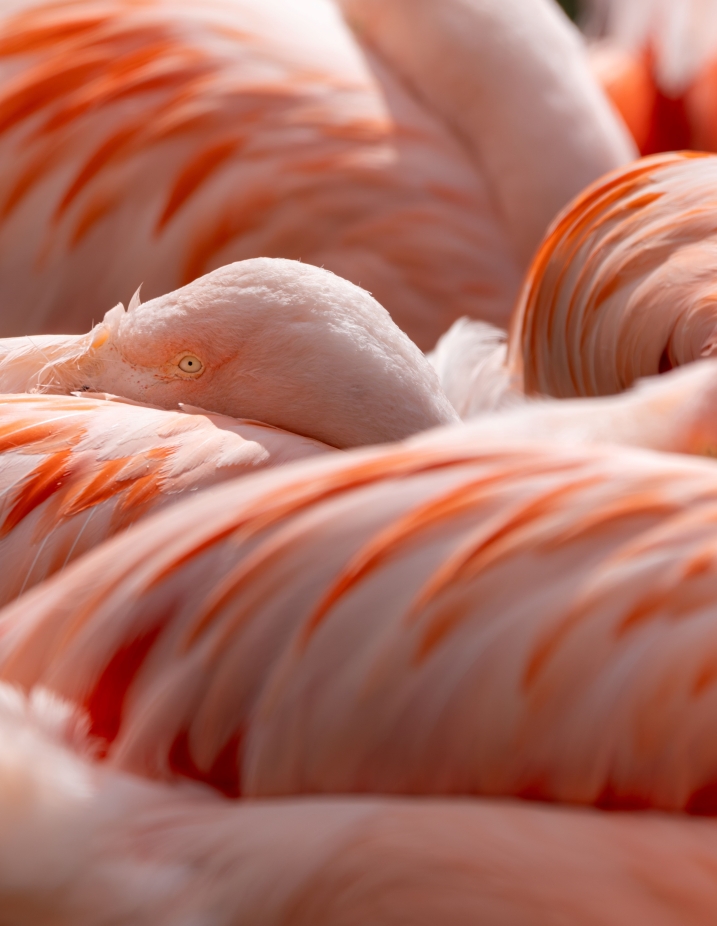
{"x":434,"y":618}
{"x":155,"y":142}
{"x":75,"y":471}
{"x":623,"y":285}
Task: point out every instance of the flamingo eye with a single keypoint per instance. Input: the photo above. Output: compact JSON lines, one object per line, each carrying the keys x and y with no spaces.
{"x":190,"y":364}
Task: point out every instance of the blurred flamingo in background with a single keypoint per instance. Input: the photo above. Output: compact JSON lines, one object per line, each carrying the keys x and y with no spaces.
{"x":154,"y":142}
{"x":84,"y":844}
{"x":657,"y":60}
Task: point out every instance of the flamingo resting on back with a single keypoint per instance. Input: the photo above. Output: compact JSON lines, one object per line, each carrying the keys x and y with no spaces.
{"x":621,"y":288}
{"x":85,"y":845}
{"x":274,"y":340}
{"x":277,"y":341}
{"x":623,"y":285}
{"x":437,"y":617}
{"x":151,"y":143}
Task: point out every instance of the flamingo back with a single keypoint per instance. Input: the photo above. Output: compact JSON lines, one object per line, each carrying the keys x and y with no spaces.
{"x":79,"y":838}
{"x":427,"y":619}
{"x":623,"y":285}
{"x":75,"y":471}
{"x":150,"y":143}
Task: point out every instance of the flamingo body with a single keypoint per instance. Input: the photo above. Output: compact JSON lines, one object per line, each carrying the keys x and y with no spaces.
{"x":85,"y":845}
{"x":75,"y":471}
{"x":622,"y":286}
{"x":429,"y":619}
{"x":153,"y":143}
{"x":673,"y":413}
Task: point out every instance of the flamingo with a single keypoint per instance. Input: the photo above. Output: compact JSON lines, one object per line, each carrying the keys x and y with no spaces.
{"x":622,"y":286}
{"x":656,"y":122}
{"x":431,"y":618}
{"x":74,"y":471}
{"x":155,"y":142}
{"x":281,"y":342}
{"x":657,"y":61}
{"x":85,"y":844}
{"x":343,"y":626}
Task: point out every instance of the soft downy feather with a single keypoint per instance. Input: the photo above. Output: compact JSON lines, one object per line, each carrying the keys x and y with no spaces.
{"x":45,"y":363}
{"x":470,"y":360}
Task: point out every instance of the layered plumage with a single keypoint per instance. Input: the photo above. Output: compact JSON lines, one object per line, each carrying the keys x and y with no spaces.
{"x":151,"y":143}
{"x":84,"y":845}
{"x":75,"y":471}
{"x":623,"y":285}
{"x":434,"y":618}
{"x":273,"y":340}
{"x":674,"y":413}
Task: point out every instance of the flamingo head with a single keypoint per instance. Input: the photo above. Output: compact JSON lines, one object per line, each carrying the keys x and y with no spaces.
{"x":279,"y":341}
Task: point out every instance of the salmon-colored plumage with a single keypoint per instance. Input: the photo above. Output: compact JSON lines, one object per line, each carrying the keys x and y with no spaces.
{"x":80,"y":839}
{"x":427,"y":619}
{"x":75,"y":471}
{"x":153,"y":142}
{"x":353,"y":689}
{"x":623,"y":285}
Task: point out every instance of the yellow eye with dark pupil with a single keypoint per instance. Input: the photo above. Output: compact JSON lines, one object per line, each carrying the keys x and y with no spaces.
{"x":190,"y":364}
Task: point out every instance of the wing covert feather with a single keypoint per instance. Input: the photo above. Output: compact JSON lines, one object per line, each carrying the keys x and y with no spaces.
{"x":74,"y":471}
{"x":423,"y":619}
